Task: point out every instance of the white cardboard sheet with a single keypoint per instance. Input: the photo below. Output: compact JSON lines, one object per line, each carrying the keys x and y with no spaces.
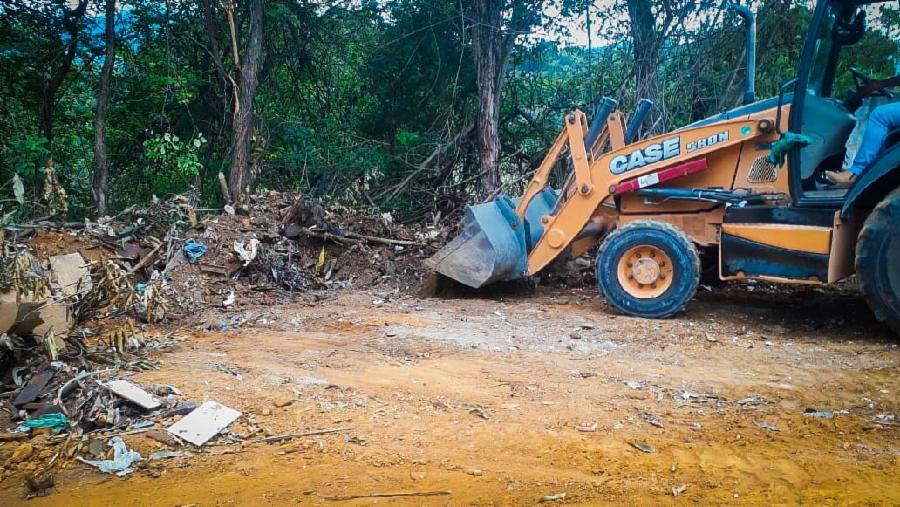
{"x":205,"y":422}
{"x":133,"y":393}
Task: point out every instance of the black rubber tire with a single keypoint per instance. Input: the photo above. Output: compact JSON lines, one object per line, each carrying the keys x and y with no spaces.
{"x":878,"y":260}
{"x":666,"y":237}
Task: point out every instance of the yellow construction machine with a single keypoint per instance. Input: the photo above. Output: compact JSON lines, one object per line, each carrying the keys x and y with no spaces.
{"x":715,"y":186}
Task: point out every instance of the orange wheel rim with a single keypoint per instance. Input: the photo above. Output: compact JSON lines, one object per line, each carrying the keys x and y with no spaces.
{"x":645,"y":272}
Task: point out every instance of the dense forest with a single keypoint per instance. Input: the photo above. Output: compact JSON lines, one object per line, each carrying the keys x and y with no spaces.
{"x":417,"y":107}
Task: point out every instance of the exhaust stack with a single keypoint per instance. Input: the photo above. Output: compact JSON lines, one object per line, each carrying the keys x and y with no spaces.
{"x":750,"y":21}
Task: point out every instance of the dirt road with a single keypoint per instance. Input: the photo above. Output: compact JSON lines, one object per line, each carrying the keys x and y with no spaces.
{"x":510,"y":399}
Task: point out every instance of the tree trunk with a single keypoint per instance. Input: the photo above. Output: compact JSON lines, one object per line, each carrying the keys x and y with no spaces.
{"x":51,"y":87}
{"x":100,"y":182}
{"x":490,"y":58}
{"x":646,"y":44}
{"x":241,"y":175}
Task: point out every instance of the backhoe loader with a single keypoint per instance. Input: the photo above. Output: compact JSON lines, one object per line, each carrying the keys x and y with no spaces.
{"x":746,"y":185}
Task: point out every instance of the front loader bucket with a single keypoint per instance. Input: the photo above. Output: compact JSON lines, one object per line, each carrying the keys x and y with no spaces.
{"x":494,"y":243}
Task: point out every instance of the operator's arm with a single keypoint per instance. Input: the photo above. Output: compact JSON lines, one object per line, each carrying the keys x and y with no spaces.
{"x":870,"y":88}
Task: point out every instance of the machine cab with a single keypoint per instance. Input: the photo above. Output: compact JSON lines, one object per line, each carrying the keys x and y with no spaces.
{"x":840,"y":82}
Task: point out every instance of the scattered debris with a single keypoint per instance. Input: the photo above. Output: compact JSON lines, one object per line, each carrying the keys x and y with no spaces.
{"x":56,"y":422}
{"x":165,"y":454}
{"x":479,"y":411}
{"x":552,"y":498}
{"x":133,"y":393}
{"x":282,"y":438}
{"x":162,"y":437}
{"x":193,"y":250}
{"x":642,"y":447}
{"x":228,"y":370}
{"x":74,"y":298}
{"x":633,"y":384}
{"x":766,"y":425}
{"x":34,"y":388}
{"x":652,"y":420}
{"x":247,"y":254}
{"x":354,"y":439}
{"x":587,"y":428}
{"x":70,"y":274}
{"x":284,"y":401}
{"x":387,"y":495}
{"x":811,"y":412}
{"x":679,"y":490}
{"x":699,"y":397}
{"x":204,"y":423}
{"x":122,"y":460}
{"x":751,"y":401}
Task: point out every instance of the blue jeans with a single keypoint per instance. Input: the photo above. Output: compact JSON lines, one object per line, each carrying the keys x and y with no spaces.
{"x":883,"y":119}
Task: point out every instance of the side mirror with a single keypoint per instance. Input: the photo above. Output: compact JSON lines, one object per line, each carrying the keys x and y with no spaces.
{"x":781,"y":91}
{"x":847,"y":32}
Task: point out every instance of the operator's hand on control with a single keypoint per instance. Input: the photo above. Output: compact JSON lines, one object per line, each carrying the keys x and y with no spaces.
{"x":783,"y":146}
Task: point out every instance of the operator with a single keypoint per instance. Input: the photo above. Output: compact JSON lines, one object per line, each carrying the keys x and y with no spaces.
{"x":882,"y":121}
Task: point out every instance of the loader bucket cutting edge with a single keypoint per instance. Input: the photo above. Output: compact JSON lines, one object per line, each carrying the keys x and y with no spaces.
{"x":494,"y":243}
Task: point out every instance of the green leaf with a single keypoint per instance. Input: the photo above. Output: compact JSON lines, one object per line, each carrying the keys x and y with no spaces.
{"x":197,"y":143}
{"x":18,"y":189}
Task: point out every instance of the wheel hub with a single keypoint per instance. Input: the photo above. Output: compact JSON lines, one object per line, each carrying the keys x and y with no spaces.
{"x":645,"y":271}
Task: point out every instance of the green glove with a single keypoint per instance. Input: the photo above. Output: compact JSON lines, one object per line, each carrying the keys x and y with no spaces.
{"x":783,"y":146}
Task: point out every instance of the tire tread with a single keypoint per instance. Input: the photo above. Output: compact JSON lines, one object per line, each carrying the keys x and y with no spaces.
{"x":676,"y":233}
{"x":876,"y":225}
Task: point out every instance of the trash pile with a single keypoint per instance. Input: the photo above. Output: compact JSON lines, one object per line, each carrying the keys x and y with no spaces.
{"x":63,"y":414}
{"x":77,"y":301}
{"x":167,"y":261}
{"x":281,"y":245}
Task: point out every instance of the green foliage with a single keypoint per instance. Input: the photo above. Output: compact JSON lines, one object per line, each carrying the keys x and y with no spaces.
{"x":25,"y":155}
{"x":355,"y":96}
{"x":172,"y":163}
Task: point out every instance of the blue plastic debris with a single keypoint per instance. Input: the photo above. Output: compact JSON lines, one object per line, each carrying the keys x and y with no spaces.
{"x":193,"y":250}
{"x":122,"y":460}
